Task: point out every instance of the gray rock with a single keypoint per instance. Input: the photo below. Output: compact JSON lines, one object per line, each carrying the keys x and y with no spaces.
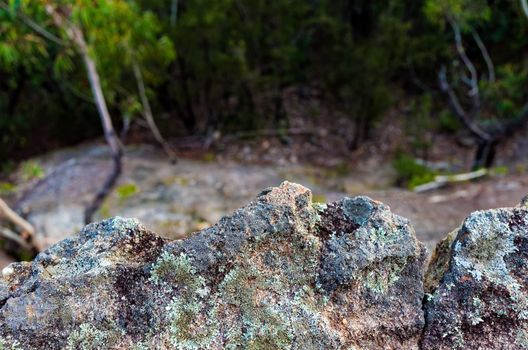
{"x":478,"y":280}
{"x":280,"y":273}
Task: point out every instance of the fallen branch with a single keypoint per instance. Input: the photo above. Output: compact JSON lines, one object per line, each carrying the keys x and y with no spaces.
{"x":442,"y":180}
{"x":25,"y":227}
{"x":7,"y":233}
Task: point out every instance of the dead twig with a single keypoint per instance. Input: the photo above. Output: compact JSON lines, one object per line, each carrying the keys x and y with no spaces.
{"x":25,"y":227}
{"x":7,"y":233}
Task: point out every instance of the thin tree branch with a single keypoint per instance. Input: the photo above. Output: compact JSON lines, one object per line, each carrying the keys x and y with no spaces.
{"x":147,"y":112}
{"x":485,"y":55}
{"x":465,"y":59}
{"x":174,"y":12}
{"x":26,"y":227}
{"x":459,"y":110}
{"x":524,"y":5}
{"x":7,"y":233}
{"x":16,"y":219}
{"x":76,"y":35}
{"x":33,"y":25}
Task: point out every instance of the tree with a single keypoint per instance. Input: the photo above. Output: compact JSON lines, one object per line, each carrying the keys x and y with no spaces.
{"x":490,"y":107}
{"x":64,"y":21}
{"x":98,"y":33}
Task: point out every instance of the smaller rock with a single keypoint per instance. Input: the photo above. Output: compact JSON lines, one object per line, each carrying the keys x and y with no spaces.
{"x":478,"y":284}
{"x":7,"y":271}
{"x":524,"y":202}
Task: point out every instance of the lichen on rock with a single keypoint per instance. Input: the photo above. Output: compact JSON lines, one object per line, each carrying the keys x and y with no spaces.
{"x":280,"y":273}
{"x":479,"y":296}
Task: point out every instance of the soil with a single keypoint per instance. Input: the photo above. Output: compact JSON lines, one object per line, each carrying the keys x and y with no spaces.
{"x":215,"y":176}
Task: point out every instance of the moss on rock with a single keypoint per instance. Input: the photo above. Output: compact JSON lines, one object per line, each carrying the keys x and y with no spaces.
{"x":280,"y":273}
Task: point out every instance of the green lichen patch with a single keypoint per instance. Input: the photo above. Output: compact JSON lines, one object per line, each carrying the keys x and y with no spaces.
{"x":256,"y":280}
{"x":90,"y":337}
{"x":188,"y":324}
{"x":381,"y":277}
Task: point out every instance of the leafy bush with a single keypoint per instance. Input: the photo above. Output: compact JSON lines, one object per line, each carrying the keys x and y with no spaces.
{"x":410,"y":173}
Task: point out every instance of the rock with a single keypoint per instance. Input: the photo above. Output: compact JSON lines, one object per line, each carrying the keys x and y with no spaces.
{"x":478,"y":280}
{"x":524,"y":202}
{"x":280,"y":273}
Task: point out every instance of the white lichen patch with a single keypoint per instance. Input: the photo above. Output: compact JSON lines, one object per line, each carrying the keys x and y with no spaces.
{"x":482,"y":251}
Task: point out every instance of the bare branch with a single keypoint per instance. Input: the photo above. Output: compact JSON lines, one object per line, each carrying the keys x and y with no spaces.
{"x":467,"y":120}
{"x":465,"y":59}
{"x":485,"y":55}
{"x":442,"y":180}
{"x":524,"y":5}
{"x":75,"y":33}
{"x":17,"y":220}
{"x":7,"y":233}
{"x":147,"y":112}
{"x":33,"y":25}
{"x":174,"y":12}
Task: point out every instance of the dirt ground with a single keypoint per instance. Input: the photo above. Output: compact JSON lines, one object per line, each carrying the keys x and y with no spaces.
{"x":177,"y":199}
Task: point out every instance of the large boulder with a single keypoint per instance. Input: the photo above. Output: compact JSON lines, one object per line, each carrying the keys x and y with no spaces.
{"x":477,"y":284}
{"x":280,"y":273}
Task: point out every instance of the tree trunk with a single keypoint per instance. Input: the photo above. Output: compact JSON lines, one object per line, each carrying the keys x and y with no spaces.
{"x":485,"y":154}
{"x":76,"y":35}
{"x":109,"y":131}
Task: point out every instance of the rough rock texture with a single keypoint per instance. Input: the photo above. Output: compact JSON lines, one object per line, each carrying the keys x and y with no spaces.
{"x":478,"y":280}
{"x":280,"y":273}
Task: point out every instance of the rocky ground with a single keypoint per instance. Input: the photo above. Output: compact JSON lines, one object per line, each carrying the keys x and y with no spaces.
{"x":176,"y":199}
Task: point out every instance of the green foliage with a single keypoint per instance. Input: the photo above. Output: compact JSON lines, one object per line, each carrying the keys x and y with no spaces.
{"x":126,"y":191}
{"x":463,"y":11}
{"x":447,"y":122}
{"x":420,"y":124}
{"x":225,"y":64}
{"x":500,"y":170}
{"x":183,"y":312}
{"x":410,"y":173}
{"x":31,"y":170}
{"x":6,"y":188}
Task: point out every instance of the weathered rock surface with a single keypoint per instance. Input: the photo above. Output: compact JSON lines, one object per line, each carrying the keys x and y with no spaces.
{"x":478,"y":280}
{"x":280,"y":273}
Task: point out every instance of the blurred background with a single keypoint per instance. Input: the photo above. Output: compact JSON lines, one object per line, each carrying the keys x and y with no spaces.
{"x":177,"y":112}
